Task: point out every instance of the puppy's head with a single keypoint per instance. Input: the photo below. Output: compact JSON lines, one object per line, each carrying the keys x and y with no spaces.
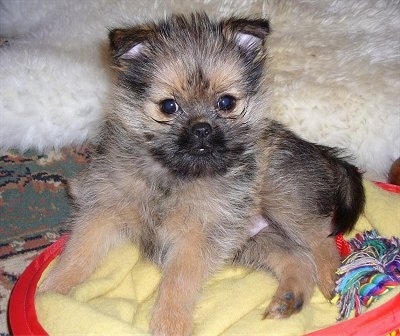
{"x":190,"y":89}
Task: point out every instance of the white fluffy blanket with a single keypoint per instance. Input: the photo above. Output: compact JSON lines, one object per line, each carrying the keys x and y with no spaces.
{"x":335,"y":68}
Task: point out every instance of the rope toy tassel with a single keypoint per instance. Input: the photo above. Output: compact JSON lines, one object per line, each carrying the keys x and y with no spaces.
{"x":371,"y":268}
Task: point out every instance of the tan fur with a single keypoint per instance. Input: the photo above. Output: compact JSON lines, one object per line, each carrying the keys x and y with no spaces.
{"x":82,"y":253}
{"x":184,"y":275}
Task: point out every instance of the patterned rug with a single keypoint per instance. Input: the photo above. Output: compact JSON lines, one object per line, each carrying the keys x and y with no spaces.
{"x":34,"y":207}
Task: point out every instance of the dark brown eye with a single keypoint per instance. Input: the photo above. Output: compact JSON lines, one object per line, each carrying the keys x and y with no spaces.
{"x":169,"y":106}
{"x":226,"y":103}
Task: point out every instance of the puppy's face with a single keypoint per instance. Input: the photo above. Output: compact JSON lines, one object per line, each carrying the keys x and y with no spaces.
{"x":189,"y":88}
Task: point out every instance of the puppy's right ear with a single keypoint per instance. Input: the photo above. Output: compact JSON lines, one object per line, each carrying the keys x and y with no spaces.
{"x":129,"y":43}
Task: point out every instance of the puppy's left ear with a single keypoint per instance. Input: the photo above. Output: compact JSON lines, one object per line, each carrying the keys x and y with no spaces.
{"x":249,"y":34}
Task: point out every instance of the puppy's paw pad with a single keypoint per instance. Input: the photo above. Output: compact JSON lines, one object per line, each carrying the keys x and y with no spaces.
{"x":284,"y":305}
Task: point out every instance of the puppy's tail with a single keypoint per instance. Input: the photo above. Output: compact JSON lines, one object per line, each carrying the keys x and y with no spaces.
{"x":350,"y":198}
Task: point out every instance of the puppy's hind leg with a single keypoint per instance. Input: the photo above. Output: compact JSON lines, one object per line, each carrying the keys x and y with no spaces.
{"x":326,"y":256}
{"x":292,"y":265}
{"x":92,"y":237}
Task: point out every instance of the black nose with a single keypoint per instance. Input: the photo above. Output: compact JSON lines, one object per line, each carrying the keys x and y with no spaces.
{"x":201,"y":130}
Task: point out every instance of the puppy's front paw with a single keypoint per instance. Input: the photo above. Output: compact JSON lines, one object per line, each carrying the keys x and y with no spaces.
{"x":167,"y":322}
{"x":55,"y":284}
{"x":60,"y":281}
{"x":284,"y":304}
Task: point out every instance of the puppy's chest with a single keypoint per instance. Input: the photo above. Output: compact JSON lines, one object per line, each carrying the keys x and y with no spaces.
{"x":222,"y":216}
{"x":208,"y":197}
{"x":161,"y":204}
{"x":203,"y":202}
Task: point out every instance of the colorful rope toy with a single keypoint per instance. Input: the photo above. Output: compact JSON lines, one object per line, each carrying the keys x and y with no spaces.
{"x":371,"y":268}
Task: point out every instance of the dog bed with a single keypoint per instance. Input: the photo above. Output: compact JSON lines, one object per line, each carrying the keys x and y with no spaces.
{"x":119,"y":296}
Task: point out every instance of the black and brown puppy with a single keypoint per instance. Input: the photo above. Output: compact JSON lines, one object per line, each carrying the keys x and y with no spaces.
{"x":191,"y":167}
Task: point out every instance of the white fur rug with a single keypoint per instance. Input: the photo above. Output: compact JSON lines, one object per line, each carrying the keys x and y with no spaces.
{"x":335,"y":68}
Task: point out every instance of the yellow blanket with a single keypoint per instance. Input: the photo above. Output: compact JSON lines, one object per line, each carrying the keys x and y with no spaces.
{"x":118,"y":297}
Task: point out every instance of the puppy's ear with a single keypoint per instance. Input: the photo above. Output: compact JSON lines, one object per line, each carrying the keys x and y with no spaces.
{"x":249,"y":34}
{"x":129,"y":43}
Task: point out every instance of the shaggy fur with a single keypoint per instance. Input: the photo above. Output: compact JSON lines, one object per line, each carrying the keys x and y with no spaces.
{"x":335,"y":69}
{"x":189,"y":164}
